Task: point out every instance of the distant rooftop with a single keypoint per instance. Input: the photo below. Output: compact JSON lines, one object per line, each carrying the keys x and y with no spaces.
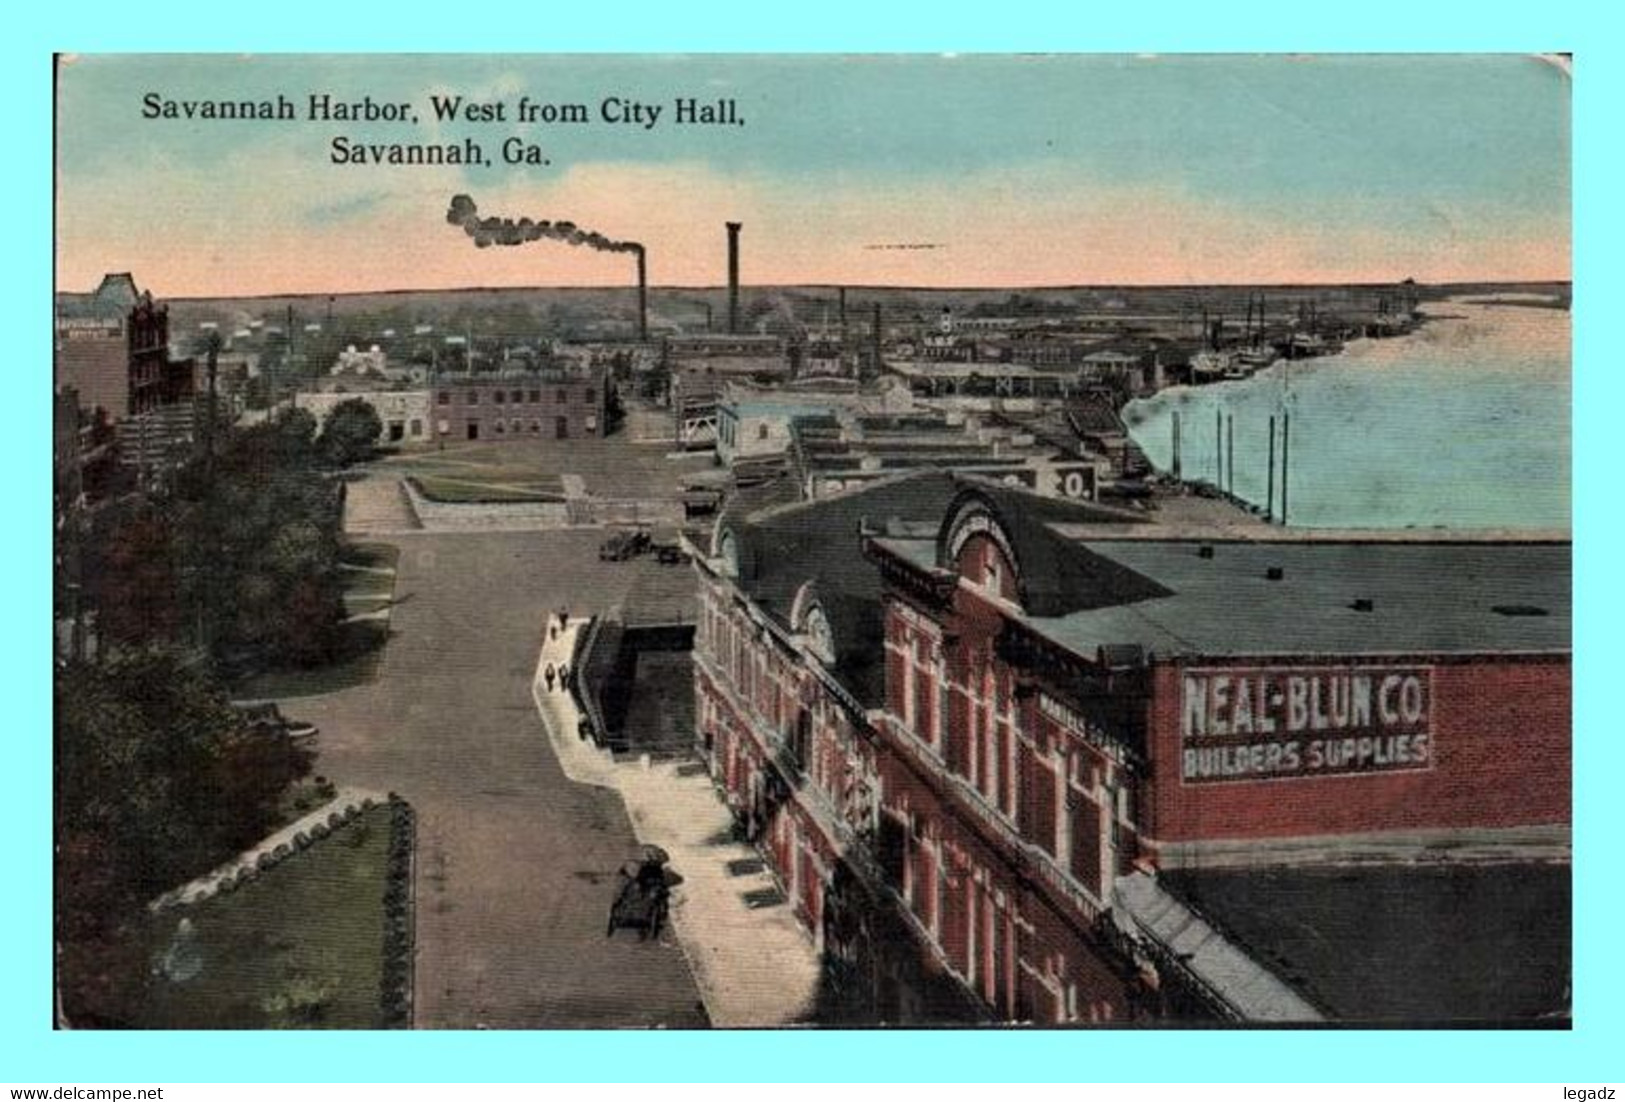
{"x":953,"y":369}
{"x":111,"y":300}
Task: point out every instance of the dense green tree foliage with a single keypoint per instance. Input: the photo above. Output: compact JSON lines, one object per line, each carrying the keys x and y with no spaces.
{"x":350,"y":432}
{"x":240,"y":554}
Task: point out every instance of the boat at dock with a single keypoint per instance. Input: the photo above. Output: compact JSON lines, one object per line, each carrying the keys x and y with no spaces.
{"x":1210,"y":364}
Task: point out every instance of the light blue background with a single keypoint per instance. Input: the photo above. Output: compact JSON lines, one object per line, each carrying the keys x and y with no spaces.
{"x":31,"y":1052}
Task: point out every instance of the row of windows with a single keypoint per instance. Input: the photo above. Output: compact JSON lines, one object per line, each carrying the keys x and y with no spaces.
{"x":517,"y":397}
{"x":819,"y":738}
{"x":963,"y":907}
{"x":1059,"y":805}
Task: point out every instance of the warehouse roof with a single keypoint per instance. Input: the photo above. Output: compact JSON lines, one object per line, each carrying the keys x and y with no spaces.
{"x":1354,"y":598}
{"x":1090,"y":586}
{"x":1422,"y":945}
{"x":785,"y":547}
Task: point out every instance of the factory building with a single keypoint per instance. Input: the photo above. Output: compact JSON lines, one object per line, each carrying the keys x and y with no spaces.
{"x":552,"y":405}
{"x":1097,"y":774}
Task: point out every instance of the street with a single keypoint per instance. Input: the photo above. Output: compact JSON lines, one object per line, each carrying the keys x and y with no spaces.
{"x":516,"y":864}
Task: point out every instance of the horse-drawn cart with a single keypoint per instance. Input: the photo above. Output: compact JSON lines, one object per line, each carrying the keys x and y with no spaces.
{"x":644,"y":896}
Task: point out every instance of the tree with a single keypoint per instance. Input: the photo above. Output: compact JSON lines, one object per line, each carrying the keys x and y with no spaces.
{"x":157,"y":781}
{"x":151,"y":781}
{"x":130,"y":578}
{"x":239,"y":556}
{"x":350,"y":431}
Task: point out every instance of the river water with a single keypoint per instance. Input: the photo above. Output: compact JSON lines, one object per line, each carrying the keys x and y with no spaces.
{"x":1464,"y":423}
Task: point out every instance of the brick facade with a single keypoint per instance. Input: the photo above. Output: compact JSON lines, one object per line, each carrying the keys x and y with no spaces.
{"x":1006,"y":784}
{"x":1497,"y":757}
{"x":552,"y":405}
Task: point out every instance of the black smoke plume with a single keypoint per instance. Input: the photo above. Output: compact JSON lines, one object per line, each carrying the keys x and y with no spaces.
{"x":506,"y":231}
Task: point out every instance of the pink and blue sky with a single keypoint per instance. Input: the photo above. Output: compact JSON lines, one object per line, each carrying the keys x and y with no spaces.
{"x":1021,"y":171}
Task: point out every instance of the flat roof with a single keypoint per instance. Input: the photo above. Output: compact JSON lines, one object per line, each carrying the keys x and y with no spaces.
{"x":954,"y":369}
{"x":1426,"y":598}
{"x":769,"y":407}
{"x":1416,"y":944}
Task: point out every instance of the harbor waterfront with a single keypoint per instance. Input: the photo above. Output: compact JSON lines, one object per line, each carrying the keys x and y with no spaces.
{"x":1463,"y":423}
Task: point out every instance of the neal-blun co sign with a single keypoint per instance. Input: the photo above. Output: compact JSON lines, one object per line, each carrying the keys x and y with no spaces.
{"x":1238,"y":723}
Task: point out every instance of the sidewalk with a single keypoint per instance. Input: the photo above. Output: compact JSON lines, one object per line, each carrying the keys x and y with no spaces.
{"x":754,"y":967}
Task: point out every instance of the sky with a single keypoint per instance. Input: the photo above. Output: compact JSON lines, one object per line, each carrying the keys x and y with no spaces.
{"x":994,"y":171}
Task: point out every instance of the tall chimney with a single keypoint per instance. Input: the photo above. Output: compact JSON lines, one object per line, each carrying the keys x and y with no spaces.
{"x":875,"y":339}
{"x":643,"y":296}
{"x":733,"y":276}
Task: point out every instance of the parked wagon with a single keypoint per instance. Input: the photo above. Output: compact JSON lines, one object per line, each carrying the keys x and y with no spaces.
{"x":643,"y":900}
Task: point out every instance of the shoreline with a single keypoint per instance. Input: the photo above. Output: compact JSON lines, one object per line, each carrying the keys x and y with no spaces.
{"x":1396,"y":446}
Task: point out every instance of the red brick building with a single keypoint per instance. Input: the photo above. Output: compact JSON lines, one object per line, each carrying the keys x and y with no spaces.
{"x":112,"y":348}
{"x":1066,"y":759}
{"x":552,"y":405}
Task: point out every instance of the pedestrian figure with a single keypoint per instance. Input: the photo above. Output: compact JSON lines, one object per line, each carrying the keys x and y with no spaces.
{"x":548,"y":674}
{"x":564,"y":673}
{"x":553,"y":631}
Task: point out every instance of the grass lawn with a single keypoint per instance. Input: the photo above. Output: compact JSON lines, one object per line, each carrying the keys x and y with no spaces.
{"x":361,"y":642}
{"x":457,"y":488}
{"x":301,"y":947}
{"x":361,"y":645}
{"x":610,"y":468}
{"x":376,"y":556}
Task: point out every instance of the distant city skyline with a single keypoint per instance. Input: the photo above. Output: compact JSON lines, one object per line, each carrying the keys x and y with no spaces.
{"x":1016,"y":171}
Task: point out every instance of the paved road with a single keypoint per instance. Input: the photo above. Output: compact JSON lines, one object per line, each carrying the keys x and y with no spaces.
{"x":516,"y":863}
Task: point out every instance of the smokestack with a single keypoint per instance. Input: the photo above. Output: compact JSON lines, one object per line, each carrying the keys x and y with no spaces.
{"x":485,"y":232}
{"x":875,"y":337}
{"x":842,"y":300}
{"x":733,"y":276}
{"x":643,"y":295}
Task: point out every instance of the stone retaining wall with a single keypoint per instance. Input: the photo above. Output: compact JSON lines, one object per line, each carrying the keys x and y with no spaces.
{"x":527,"y":516}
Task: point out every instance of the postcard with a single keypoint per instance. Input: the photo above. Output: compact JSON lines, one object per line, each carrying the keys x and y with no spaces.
{"x":812,"y":541}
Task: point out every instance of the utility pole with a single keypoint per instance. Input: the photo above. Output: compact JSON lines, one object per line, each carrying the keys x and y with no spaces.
{"x":1178,"y":476}
{"x":1230,"y":453}
{"x":290,"y":348}
{"x":1286,"y":448}
{"x":205,"y":579}
{"x":1269,"y":493}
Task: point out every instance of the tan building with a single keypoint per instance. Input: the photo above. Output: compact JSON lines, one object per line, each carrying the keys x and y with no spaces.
{"x":404,"y":413}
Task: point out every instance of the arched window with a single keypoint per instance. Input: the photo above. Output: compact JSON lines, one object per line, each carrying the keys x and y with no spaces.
{"x":728,"y":549}
{"x":820,"y":638}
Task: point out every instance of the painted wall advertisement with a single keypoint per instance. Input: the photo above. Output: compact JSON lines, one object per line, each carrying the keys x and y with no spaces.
{"x":1241,"y":723}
